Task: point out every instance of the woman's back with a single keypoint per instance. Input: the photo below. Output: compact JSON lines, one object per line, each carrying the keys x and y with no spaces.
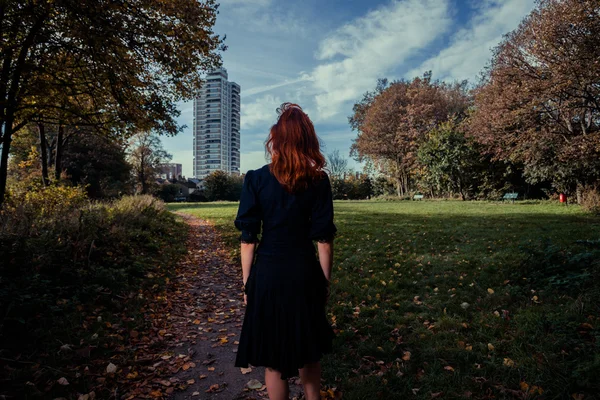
{"x":289,"y":222}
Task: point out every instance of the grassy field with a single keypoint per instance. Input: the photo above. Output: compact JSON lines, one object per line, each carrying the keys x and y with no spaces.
{"x":459,"y":300}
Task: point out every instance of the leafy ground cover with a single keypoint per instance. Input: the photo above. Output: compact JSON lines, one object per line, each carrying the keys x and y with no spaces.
{"x":82,"y":293}
{"x":459,"y":300}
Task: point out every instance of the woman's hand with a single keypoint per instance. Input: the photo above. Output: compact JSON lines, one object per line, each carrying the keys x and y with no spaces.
{"x":246,"y":299}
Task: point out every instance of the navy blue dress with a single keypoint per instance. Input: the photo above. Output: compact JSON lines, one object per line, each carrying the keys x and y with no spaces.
{"x":285,"y":325}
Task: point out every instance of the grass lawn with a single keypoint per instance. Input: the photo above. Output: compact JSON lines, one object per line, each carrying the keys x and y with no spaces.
{"x":459,"y":299}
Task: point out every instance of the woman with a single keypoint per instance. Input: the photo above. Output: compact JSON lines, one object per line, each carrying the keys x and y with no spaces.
{"x":286,"y":287}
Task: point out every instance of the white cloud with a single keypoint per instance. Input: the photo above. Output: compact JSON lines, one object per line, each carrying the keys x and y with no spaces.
{"x":252,"y":160}
{"x":371,"y":46}
{"x":470,"y":47}
{"x":261,"y":112}
{"x":246,"y":3}
{"x":264,"y":16}
{"x":266,"y":88}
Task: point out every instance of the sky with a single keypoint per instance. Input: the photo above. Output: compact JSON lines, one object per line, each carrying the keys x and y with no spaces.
{"x":325,"y":54}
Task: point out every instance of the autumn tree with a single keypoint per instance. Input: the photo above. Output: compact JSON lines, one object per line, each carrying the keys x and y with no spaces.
{"x":539,"y":103}
{"x":392,"y":122}
{"x":145,"y":156}
{"x":123,"y":63}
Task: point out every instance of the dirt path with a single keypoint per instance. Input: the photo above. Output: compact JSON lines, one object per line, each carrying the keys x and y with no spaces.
{"x":208,"y":321}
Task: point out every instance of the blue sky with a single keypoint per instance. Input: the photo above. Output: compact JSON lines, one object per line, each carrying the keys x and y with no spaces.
{"x":324,"y":54}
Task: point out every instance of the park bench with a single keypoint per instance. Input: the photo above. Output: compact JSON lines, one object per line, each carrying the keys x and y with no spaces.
{"x":418,"y":197}
{"x":510,"y":196}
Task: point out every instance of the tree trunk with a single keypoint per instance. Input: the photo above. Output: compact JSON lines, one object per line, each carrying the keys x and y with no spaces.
{"x":59,"y":150}
{"x":142,"y":173}
{"x":579,"y":193}
{"x":43,"y":153}
{"x":7,"y":139}
{"x":399,"y":187}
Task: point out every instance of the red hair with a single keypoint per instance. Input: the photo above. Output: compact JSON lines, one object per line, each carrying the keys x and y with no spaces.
{"x":294,"y":148}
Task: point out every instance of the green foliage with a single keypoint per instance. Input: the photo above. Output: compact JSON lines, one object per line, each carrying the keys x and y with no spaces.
{"x":351,"y":187}
{"x":221,"y":186}
{"x":382,"y":186}
{"x":63,"y":255}
{"x":168,"y":192}
{"x":98,"y":163}
{"x":451,"y":162}
{"x":559,"y":270}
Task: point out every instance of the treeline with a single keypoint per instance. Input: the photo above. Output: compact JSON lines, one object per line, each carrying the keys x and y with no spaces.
{"x":531,"y":125}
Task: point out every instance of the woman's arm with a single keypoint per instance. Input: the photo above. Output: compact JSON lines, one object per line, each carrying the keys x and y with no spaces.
{"x":326,"y":257}
{"x":247,"y":255}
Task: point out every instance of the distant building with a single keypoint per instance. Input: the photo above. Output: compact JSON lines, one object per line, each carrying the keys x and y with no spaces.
{"x":217,"y":126}
{"x":170,"y":171}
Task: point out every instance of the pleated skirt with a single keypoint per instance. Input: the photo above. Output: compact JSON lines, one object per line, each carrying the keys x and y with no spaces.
{"x":285,"y":324}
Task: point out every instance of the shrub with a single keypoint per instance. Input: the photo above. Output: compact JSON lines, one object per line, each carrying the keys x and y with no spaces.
{"x":591,"y":200}
{"x":561,"y":271}
{"x":64,"y":256}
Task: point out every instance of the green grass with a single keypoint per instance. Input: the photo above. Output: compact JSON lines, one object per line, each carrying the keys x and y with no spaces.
{"x":448,"y":253}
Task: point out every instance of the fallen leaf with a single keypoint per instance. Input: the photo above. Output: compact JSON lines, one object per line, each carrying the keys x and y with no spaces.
{"x":449,"y":368}
{"x":63,"y":381}
{"x":188,"y":365}
{"x":111,"y":368}
{"x":254,"y":384}
{"x":132,"y":375}
{"x":490,"y":291}
{"x":406,"y":356}
{"x":213,"y":388}
{"x":490,"y":347}
{"x":245,"y":370}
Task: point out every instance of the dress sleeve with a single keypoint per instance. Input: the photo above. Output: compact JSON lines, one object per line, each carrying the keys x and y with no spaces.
{"x":322,"y":227}
{"x":248,"y":219}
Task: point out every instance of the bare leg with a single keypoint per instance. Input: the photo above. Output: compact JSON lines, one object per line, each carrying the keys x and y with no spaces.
{"x":311,"y":380}
{"x":277,"y":388}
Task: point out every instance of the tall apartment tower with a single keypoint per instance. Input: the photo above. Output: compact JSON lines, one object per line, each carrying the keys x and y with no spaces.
{"x":217,"y":126}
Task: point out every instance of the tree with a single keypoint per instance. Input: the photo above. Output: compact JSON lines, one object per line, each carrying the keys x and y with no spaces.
{"x":338,"y":165}
{"x":392,"y":123}
{"x":74,"y":62}
{"x":146,"y":154}
{"x":451,"y":161}
{"x":98,"y":162}
{"x":539,"y":102}
{"x":219,"y":185}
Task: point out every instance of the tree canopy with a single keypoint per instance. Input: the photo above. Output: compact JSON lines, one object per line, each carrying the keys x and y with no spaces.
{"x":539,"y":103}
{"x":120,"y":66}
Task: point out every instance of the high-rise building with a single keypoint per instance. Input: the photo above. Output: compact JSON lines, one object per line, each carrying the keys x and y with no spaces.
{"x":217,"y":126}
{"x":170,"y":170}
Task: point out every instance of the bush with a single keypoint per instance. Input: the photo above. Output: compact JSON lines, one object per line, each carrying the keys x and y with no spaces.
{"x":64,"y":257}
{"x":591,"y":200}
{"x":561,"y":271}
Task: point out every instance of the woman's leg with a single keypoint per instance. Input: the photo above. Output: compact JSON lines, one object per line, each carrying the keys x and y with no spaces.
{"x":311,"y":380}
{"x":277,"y":388}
